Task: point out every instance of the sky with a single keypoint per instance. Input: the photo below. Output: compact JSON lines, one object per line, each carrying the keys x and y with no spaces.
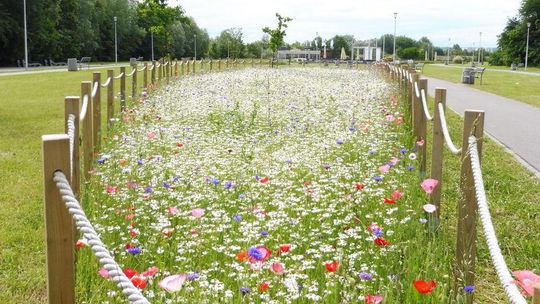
{"x":461,"y":21}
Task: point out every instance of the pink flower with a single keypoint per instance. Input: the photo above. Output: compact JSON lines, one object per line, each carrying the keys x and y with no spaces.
{"x":430,"y":208}
{"x":256,"y":265}
{"x":384,"y":169}
{"x":396,"y":195}
{"x":197,"y":212}
{"x":111,"y":189}
{"x":277,"y":268}
{"x":420,"y":143}
{"x":151,"y":135}
{"x":104,"y":273}
{"x":526,"y":279}
{"x":390,"y":117}
{"x":394,"y":161}
{"x":152,"y":271}
{"x":172,"y":210}
{"x":376,"y":299}
{"x":429,"y":185}
{"x":173,"y":283}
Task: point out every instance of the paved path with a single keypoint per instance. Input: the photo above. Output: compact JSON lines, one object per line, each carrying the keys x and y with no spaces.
{"x":40,"y":70}
{"x":490,"y":69}
{"x":514,"y":124}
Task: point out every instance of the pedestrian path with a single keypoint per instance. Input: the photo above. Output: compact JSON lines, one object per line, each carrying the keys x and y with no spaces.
{"x":40,"y":70}
{"x":514,"y":124}
{"x":490,"y":69}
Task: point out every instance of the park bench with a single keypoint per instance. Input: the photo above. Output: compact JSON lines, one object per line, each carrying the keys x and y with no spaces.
{"x":32,"y":64}
{"x":479,"y":73}
{"x":53,"y":63}
{"x":419,"y":67}
{"x":84,"y":60}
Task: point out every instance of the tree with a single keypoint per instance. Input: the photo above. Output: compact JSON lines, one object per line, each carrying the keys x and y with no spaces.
{"x":413,"y":53}
{"x":512,"y":41}
{"x":277,"y":34}
{"x":341,"y":42}
{"x":228,"y":44}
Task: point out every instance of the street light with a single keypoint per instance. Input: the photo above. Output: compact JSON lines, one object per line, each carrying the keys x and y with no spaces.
{"x":480,"y":53}
{"x":25,"y":40}
{"x":527,"y":48}
{"x":115,"y":41}
{"x":394,"y":54}
{"x":448,"y":53}
{"x":195,"y":35}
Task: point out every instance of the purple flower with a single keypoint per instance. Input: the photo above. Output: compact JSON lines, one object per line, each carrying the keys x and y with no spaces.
{"x":228,"y":185}
{"x":237,"y":218}
{"x":255,"y":253}
{"x":245,"y":290}
{"x":215,"y":181}
{"x":242,"y":196}
{"x":403,"y":151}
{"x":264,"y":233}
{"x":468,"y":289}
{"x":326,"y":166}
{"x":148,"y":190}
{"x":410,"y":168}
{"x":166,"y":185}
{"x":134,"y":250}
{"x":377,"y":178}
{"x":101,"y":161}
{"x":193,"y":276}
{"x":176,"y":179}
{"x":378,"y":232}
{"x":140,"y":162}
{"x":365,"y":276}
{"x":339,"y":142}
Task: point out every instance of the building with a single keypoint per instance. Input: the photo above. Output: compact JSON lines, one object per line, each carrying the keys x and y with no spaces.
{"x":292,"y":54}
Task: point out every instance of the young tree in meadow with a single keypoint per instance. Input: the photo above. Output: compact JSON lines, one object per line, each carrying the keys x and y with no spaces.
{"x":277,"y":34}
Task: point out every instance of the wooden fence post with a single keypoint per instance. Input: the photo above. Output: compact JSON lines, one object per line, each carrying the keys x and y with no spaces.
{"x":58,"y":222}
{"x":72,"y":106}
{"x":467,"y":208}
{"x":168,"y":70}
{"x":536,"y":295}
{"x":88,"y":142}
{"x":437,"y":147}
{"x":123,"y":89}
{"x":145,"y":76}
{"x":96,"y":111}
{"x":153,"y":75}
{"x":134,"y":83}
{"x":110,"y":97}
{"x":160,"y":68}
{"x":219,"y":64}
{"x":422,"y":126}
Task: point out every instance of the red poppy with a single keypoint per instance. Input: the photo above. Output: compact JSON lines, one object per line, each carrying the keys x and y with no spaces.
{"x":424,"y":287}
{"x":389,"y":201}
{"x":139,"y":282}
{"x":381,"y":242}
{"x":242,"y":256}
{"x":331,"y":267}
{"x":128,"y":246}
{"x":263,"y":287}
{"x":264,"y":180}
{"x":130,"y":273}
{"x":359,"y":187}
{"x":285,"y":247}
{"x":180,"y":145}
{"x":307,"y":183}
{"x":80,"y":244}
{"x":133,"y":233}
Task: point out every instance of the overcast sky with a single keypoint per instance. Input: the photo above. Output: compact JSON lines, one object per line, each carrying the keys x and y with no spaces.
{"x":460,"y":20}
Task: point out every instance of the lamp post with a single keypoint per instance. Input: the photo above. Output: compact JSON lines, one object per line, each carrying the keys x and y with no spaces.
{"x":527,"y":48}
{"x":472,"y":54}
{"x":394,"y":54}
{"x":480,"y":49}
{"x":448,"y":53}
{"x":115,"y":41}
{"x":152,"y":43}
{"x":195,"y":35}
{"x":25,"y":39}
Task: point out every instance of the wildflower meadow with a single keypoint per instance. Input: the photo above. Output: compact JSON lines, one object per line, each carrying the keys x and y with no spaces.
{"x":292,"y":185}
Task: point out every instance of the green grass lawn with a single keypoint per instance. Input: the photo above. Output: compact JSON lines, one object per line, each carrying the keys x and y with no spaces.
{"x":32,"y":105}
{"x":515,"y":86}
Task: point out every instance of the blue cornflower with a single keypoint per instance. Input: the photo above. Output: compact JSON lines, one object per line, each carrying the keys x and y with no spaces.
{"x":139,"y":162}
{"x":410,"y":168}
{"x":134,"y":251}
{"x":339,"y":142}
{"x":228,"y":185}
{"x":264,"y":233}
{"x":242,"y":196}
{"x":166,"y":185}
{"x":377,"y":178}
{"x":245,"y":290}
{"x":148,"y":190}
{"x":237,"y":218}
{"x":101,"y":161}
{"x":255,"y":253}
{"x":193,"y":276}
{"x":378,"y":232}
{"x":468,"y":289}
{"x":403,"y":151}
{"x":365,"y":276}
{"x":215,"y":181}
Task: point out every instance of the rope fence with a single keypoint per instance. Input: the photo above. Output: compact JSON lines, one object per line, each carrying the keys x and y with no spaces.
{"x":62,"y":158}
{"x":473,"y":199}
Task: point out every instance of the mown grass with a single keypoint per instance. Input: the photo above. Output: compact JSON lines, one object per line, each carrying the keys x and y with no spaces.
{"x":32,"y":105}
{"x":515,"y":86}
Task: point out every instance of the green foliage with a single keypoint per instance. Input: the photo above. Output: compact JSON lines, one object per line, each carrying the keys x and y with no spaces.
{"x":512,"y":41}
{"x":413,"y":53}
{"x":229,"y":44}
{"x":277,"y":34}
{"x":458,"y":60}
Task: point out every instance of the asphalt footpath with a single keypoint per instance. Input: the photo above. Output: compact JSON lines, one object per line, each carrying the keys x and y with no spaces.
{"x":514,"y":124}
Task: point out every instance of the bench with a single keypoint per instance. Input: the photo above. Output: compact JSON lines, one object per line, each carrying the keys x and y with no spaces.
{"x":53,"y":63}
{"x":84,"y":60}
{"x":479,"y":73}
{"x":419,"y":67}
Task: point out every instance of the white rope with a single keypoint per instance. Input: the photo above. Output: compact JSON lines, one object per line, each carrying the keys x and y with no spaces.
{"x":511,"y":290}
{"x":132,"y":72}
{"x":416,"y":90}
{"x":84,"y":107}
{"x":106,"y":84}
{"x":151,"y":68}
{"x":158,"y":64}
{"x":142,"y":69}
{"x":446,"y":134}
{"x":424,"y":105}
{"x":94,"y":89}
{"x":71,"y":134}
{"x":84,"y":226}
{"x":119,"y":76}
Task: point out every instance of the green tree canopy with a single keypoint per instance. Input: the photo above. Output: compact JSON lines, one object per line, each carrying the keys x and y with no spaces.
{"x":277,"y":34}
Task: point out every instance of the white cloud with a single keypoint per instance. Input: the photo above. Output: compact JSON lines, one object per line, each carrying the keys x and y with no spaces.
{"x":459,"y":20}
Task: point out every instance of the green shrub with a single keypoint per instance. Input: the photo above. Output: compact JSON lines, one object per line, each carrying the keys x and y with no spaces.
{"x":458,"y":59}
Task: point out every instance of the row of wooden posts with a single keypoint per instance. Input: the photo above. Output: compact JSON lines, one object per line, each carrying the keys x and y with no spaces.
{"x":60,"y":155}
{"x":416,"y":90}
